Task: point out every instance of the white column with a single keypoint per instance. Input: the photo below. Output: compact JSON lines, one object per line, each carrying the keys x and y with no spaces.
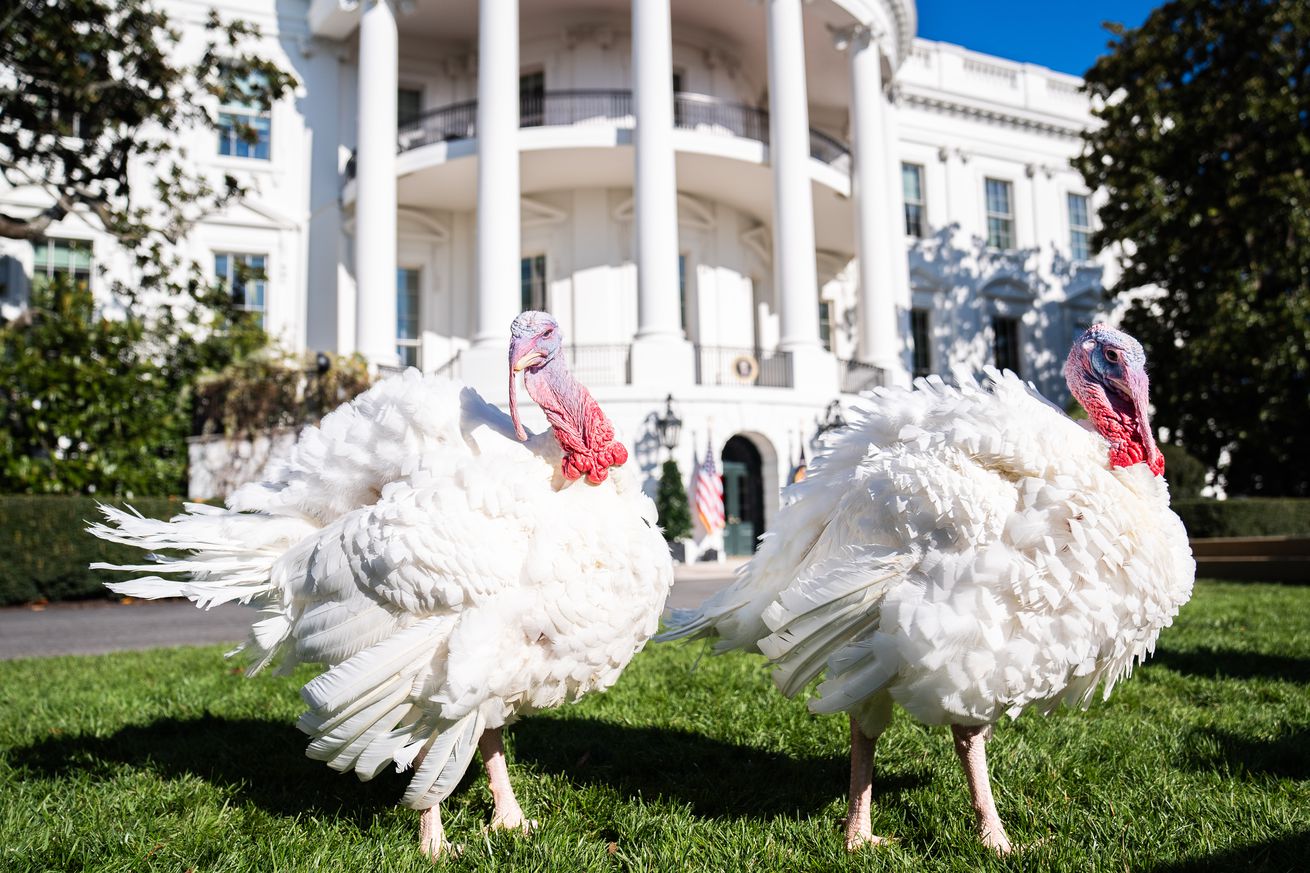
{"x":498,"y":240}
{"x":660,"y":353}
{"x":789,"y":153}
{"x":877,"y":239}
{"x":375,"y":185}
{"x":656,"y":185}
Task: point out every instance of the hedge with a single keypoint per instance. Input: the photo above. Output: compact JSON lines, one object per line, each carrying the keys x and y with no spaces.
{"x":45,"y":549}
{"x":1245,"y":517}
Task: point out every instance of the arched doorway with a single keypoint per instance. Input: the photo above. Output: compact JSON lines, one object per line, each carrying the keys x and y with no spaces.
{"x":743,"y":496}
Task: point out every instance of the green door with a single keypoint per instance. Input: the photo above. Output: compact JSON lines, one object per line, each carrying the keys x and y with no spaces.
{"x":739,"y":535}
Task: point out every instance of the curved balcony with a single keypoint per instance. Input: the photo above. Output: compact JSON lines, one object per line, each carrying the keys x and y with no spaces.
{"x":613,"y":108}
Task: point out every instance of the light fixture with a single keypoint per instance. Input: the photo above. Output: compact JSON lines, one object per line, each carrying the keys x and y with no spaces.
{"x":669,"y":425}
{"x":832,"y":419}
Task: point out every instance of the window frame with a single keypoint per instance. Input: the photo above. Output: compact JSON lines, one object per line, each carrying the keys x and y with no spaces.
{"x":1084,"y":229}
{"x":994,"y":239}
{"x":40,"y":277}
{"x":229,"y":279}
{"x":404,"y":341}
{"x":259,"y":120}
{"x":526,"y":290}
{"x":921,"y":204}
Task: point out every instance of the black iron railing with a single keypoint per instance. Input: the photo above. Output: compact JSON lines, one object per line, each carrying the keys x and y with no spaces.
{"x":726,"y":365}
{"x":857,"y":376}
{"x":612,"y":108}
{"x":601,"y":365}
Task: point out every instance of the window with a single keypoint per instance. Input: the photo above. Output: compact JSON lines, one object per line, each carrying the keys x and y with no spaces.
{"x":912,"y":189}
{"x":245,"y":276}
{"x":921,"y":333}
{"x":1000,"y":214}
{"x":532,"y":99}
{"x":679,"y":108}
{"x":532,"y":273}
{"x":408,"y":344}
{"x":244,"y":126}
{"x":825,"y":323}
{"x":61,"y":257}
{"x":409,"y":106}
{"x":682,"y":291}
{"x":1005,"y":344}
{"x":1080,"y":227}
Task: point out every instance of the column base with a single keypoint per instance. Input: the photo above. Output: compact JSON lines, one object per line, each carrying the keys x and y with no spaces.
{"x":663,"y":362}
{"x":814,"y":371}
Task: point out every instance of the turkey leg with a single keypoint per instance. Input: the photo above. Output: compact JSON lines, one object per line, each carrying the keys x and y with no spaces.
{"x":859,"y":831}
{"x":431,"y":835}
{"x":508,"y":814}
{"x":971,"y":746}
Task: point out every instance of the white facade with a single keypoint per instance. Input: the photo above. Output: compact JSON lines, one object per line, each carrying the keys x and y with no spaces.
{"x":714,"y":193}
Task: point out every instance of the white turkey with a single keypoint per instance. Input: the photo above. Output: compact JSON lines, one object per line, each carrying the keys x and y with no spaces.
{"x":451,"y":571}
{"x":966,"y":552}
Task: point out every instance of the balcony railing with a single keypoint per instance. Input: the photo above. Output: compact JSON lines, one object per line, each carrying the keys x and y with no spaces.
{"x":612,"y":108}
{"x":725,"y":365}
{"x":715,"y":365}
{"x":857,"y":376}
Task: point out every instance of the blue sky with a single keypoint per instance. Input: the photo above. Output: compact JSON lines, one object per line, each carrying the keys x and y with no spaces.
{"x":1060,"y":34}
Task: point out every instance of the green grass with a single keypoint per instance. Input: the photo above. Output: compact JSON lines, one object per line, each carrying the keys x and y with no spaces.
{"x":170,"y":761}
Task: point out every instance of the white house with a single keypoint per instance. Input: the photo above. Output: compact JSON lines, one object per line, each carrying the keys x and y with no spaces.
{"x":755,"y":207}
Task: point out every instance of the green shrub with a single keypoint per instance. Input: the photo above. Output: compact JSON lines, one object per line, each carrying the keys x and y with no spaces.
{"x":671,"y":503}
{"x":1245,"y":517}
{"x":1185,"y":473}
{"x":45,"y":549}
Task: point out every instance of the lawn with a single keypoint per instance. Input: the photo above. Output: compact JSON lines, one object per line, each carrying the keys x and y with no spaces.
{"x":168,"y":760}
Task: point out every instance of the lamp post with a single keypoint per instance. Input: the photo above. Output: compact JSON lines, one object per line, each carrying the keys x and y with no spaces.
{"x":832,"y":419}
{"x":669,"y":426}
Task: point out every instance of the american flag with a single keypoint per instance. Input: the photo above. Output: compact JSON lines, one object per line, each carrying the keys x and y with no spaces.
{"x":707,"y":486}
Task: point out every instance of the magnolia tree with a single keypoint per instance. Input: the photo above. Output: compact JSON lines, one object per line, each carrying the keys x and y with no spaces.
{"x":92,"y":95}
{"x":1204,"y":151}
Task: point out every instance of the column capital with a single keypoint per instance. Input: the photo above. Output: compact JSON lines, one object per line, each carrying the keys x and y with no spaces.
{"x":853,"y":37}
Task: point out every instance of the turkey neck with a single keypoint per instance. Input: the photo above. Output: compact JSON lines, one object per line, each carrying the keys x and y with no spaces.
{"x":561,"y":397}
{"x":1124,"y":427}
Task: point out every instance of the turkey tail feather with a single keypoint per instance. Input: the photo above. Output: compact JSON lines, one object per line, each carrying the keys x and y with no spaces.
{"x":233,"y":558}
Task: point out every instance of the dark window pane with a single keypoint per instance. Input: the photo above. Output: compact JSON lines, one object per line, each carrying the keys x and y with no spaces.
{"x":532,"y":276}
{"x":409,"y":105}
{"x":920,"y":330}
{"x":1005,"y":344}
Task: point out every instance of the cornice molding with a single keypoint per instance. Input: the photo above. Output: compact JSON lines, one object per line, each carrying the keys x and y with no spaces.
{"x":997,"y":117}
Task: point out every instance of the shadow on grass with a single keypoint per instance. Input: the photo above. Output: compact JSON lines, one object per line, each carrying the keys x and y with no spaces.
{"x":259,"y":760}
{"x":1285,"y":756}
{"x":264,"y":761}
{"x":716,"y":779}
{"x":1229,"y":664}
{"x":1279,"y":855}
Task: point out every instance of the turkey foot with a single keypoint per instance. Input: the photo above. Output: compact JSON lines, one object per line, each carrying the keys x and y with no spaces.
{"x":432,"y":836}
{"x":859,"y":832}
{"x":971,"y":746}
{"x":508,"y":814}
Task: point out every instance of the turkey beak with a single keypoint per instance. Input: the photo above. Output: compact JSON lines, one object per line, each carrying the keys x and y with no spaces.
{"x":521,"y":356}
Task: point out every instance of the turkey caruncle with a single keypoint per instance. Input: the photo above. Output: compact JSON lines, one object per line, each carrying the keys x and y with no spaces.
{"x":453,"y":572}
{"x":966,"y":552}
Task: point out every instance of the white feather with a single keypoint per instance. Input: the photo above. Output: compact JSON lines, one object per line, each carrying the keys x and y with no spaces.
{"x":446,"y":574}
{"x":965,"y":551}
